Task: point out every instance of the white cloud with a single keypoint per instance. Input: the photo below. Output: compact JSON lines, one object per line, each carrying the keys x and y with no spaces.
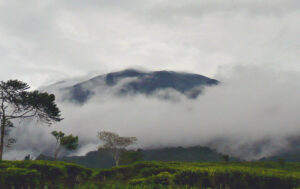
{"x":43,"y":41}
{"x":252,"y":106}
{"x":46,"y":41}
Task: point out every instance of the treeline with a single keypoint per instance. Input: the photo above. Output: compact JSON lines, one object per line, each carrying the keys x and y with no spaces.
{"x":102,"y":158}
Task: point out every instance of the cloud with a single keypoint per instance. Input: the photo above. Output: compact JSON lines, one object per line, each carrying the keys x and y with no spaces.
{"x":47,"y":41}
{"x":253,"y":113}
{"x":251,"y":46}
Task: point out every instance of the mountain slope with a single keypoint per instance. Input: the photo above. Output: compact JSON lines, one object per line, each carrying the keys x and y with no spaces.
{"x":132,"y":81}
{"x":290,"y":156}
{"x":102,"y":159}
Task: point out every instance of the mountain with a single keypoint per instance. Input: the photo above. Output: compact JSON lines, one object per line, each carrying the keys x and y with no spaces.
{"x":291,"y":156}
{"x":102,"y":159}
{"x":133,"y":81}
{"x":189,"y":154}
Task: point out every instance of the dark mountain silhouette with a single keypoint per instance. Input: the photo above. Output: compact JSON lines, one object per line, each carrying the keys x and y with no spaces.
{"x":102,"y":158}
{"x":140,"y":82}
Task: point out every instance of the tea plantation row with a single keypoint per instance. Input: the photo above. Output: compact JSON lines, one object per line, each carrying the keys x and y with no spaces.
{"x":246,"y":175}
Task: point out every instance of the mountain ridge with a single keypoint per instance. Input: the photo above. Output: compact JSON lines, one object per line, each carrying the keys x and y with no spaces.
{"x":103,"y":159}
{"x":139,"y":82}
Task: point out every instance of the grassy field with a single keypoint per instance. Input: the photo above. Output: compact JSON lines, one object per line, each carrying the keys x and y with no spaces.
{"x":235,"y":175}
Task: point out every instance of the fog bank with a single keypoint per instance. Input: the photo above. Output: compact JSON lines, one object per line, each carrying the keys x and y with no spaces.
{"x":253,"y":113}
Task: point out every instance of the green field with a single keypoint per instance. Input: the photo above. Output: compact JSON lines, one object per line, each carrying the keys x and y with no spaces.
{"x":234,"y":175}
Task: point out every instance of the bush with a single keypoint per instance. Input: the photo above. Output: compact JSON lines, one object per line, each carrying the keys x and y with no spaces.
{"x":150,"y":175}
{"x":24,"y":174}
{"x":163,"y":178}
{"x":233,"y":179}
{"x":149,"y":171}
{"x":19,"y":178}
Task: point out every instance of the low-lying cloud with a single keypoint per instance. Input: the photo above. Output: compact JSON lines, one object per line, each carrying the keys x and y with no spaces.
{"x":253,"y":113}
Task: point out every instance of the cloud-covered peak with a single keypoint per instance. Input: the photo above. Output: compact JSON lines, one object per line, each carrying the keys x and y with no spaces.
{"x":133,"y":81}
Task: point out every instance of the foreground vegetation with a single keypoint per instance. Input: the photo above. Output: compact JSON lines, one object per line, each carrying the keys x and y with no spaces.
{"x":246,"y":175}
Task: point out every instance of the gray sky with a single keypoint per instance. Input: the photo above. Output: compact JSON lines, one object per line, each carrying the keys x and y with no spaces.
{"x":42,"y":41}
{"x":252,"y":46}
{"x":252,"y":106}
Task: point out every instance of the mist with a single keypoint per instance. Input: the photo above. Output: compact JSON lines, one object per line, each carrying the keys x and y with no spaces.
{"x":252,"y":113}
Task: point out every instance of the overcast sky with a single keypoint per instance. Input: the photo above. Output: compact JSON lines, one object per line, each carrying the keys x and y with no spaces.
{"x":42,"y":41}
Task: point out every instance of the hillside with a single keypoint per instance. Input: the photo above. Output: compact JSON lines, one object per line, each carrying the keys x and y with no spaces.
{"x":150,"y":175}
{"x":132,"y":81}
{"x":102,"y":159}
{"x":290,"y":156}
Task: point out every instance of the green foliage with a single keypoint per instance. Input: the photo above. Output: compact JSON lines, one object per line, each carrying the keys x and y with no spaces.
{"x":102,"y":158}
{"x":44,"y":103}
{"x":94,"y":159}
{"x":151,"y":175}
{"x":24,"y":174}
{"x":130,"y":156}
{"x":19,"y":103}
{"x":204,"y":175}
{"x":225,"y":158}
{"x":18,"y":177}
{"x":58,"y":135}
{"x":163,"y":178}
{"x":281,"y":162}
{"x":149,"y":171}
{"x":69,"y":142}
{"x":189,"y":154}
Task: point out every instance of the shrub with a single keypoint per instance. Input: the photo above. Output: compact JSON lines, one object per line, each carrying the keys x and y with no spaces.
{"x":19,"y":178}
{"x":149,"y":171}
{"x":41,"y":173}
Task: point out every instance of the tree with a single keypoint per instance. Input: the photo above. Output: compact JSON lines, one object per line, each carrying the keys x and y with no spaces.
{"x":27,"y":157}
{"x":68,"y":142}
{"x":115,"y":143}
{"x":9,"y":141}
{"x":16,"y":102}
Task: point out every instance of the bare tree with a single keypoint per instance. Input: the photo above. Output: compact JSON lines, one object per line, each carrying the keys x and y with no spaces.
{"x":16,"y":102}
{"x":115,"y":143}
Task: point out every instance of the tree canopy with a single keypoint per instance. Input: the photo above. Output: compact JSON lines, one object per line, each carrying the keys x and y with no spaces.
{"x":17,"y":102}
{"x":69,"y":142}
{"x":115,"y":143}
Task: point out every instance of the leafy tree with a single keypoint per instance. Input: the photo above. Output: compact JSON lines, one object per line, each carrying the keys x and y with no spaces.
{"x":115,"y":143}
{"x":16,"y":102}
{"x":69,"y":142}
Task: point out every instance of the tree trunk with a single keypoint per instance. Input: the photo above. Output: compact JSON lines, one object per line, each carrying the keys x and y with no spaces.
{"x":117,"y":161}
{"x":3,"y":123}
{"x":56,"y":152}
{"x":116,"y":156}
